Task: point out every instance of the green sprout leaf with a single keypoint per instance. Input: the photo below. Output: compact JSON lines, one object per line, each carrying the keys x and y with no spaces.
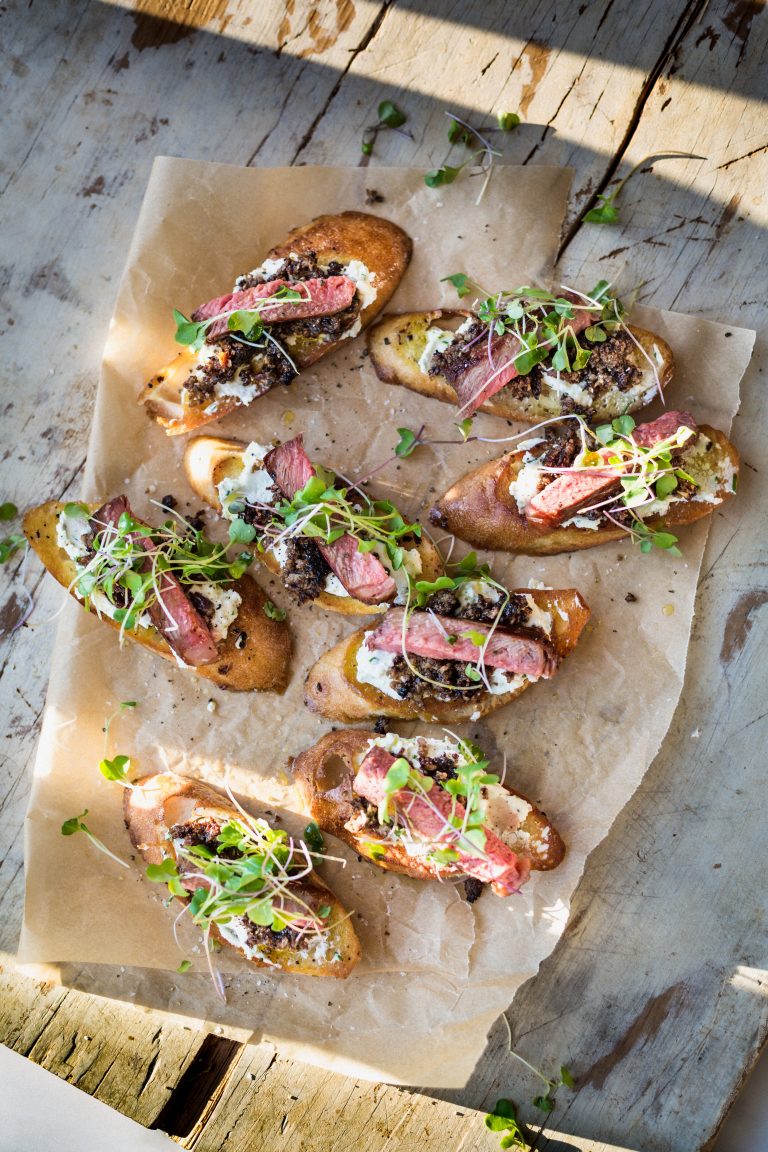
{"x":544,"y":1103}
{"x":508,"y":120}
{"x":397,"y":776}
{"x":566,"y":1077}
{"x":187,"y":331}
{"x":184,"y":966}
{"x":116,"y":769}
{"x":605,"y":213}
{"x":366,"y":147}
{"x":408,"y":441}
{"x":162,"y":873}
{"x":324,"y":912}
{"x":273,"y":612}
{"x":390,"y":115}
{"x":8,"y":511}
{"x":10,"y":546}
{"x":461,"y":283}
{"x":74,"y":824}
{"x":440,"y":176}
{"x":465,"y":427}
{"x":77,"y":824}
{"x":240,"y":532}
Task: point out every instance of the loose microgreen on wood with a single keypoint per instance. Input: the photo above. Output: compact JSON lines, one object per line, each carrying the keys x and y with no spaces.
{"x":389,"y":116}
{"x":10,"y":545}
{"x":8,"y":511}
{"x":77,"y":824}
{"x":503,"y":1118}
{"x":606,"y":211}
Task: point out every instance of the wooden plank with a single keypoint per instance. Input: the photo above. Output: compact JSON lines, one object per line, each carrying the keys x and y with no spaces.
{"x":286,"y":88}
{"x":128,"y":1058}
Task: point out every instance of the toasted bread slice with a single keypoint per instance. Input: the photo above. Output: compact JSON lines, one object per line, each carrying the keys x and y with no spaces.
{"x":158,"y":803}
{"x":478,"y":508}
{"x":381,"y":245}
{"x":333,"y":690}
{"x":209,"y":460}
{"x":324,"y":775}
{"x":397,"y":343}
{"x":261,"y":664}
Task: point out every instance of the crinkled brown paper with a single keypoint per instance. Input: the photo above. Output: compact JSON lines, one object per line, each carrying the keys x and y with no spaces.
{"x":436,"y":971}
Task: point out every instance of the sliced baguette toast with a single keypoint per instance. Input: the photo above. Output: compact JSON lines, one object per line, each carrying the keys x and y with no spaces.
{"x":398,"y":341}
{"x":324,"y":775}
{"x":478,"y":508}
{"x":261,"y":664}
{"x":209,"y":460}
{"x":333,"y":690}
{"x":156,"y":804}
{"x":381,"y":245}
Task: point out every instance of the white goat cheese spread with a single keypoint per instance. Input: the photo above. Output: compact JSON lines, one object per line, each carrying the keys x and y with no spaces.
{"x":71,"y":529}
{"x":363,"y":278}
{"x":501,"y":681}
{"x":253,"y":484}
{"x":474,"y":590}
{"x":538,"y":617}
{"x":581,"y":522}
{"x":374,"y":667}
{"x":226,"y":604}
{"x":437,"y":341}
{"x":334,"y":587}
{"x":576,"y":393}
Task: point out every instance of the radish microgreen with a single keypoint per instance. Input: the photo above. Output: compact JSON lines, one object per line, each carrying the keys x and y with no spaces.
{"x":10,"y":545}
{"x":314,"y":838}
{"x":250,"y":874}
{"x":389,"y":116}
{"x":483,"y":152}
{"x":8,"y":511}
{"x":542,"y":322}
{"x":77,"y":824}
{"x":606,"y":211}
{"x":504,"y":1119}
{"x":273,"y":612}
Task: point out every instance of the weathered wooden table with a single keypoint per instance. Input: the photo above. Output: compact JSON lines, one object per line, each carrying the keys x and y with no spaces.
{"x":656,"y":995}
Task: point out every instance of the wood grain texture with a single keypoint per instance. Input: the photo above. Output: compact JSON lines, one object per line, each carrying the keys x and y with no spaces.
{"x":656,"y":994}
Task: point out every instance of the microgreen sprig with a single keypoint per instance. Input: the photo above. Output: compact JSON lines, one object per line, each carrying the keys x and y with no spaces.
{"x":389,"y":116}
{"x":606,"y":211}
{"x":250,"y":873}
{"x":77,"y":824}
{"x":542,"y":322}
{"x":460,"y":132}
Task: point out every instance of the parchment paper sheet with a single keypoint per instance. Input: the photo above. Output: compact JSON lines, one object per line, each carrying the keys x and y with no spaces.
{"x":436,"y":971}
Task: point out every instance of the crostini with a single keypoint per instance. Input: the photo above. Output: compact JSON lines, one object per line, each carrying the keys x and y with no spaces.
{"x":169,"y":588}
{"x":425,"y":807}
{"x":245,"y":884}
{"x":463,"y":647}
{"x":572,"y":486}
{"x":329,"y":541}
{"x":525,"y":355}
{"x":323,"y":285}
